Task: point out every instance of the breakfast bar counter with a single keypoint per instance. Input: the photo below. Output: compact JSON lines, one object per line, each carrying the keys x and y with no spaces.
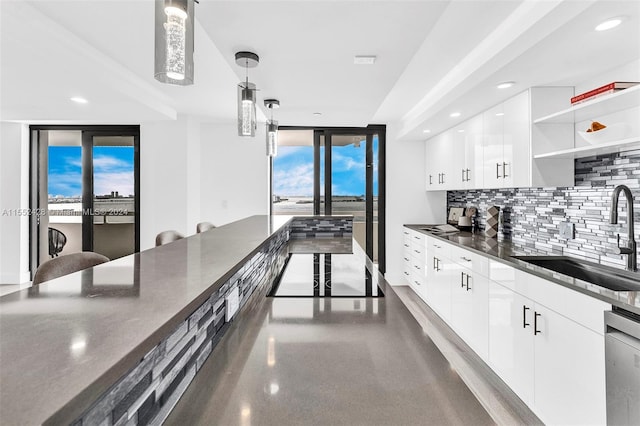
{"x":66,"y":345}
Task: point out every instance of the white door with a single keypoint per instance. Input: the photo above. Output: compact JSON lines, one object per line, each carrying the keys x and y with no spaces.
{"x":473,"y":169}
{"x":511,"y":339}
{"x":569,"y":371}
{"x":492,"y":123}
{"x":516,"y":143}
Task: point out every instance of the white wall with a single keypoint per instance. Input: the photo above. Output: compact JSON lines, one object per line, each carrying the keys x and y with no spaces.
{"x":14,"y":195}
{"x":408,"y":202}
{"x":234,"y":174}
{"x":192,"y":172}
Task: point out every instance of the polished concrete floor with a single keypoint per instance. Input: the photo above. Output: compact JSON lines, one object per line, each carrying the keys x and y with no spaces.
{"x":328,"y":361}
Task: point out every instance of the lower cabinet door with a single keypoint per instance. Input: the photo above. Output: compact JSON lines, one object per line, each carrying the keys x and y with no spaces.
{"x":511,"y":339}
{"x":569,"y":371}
{"x":443,"y":273}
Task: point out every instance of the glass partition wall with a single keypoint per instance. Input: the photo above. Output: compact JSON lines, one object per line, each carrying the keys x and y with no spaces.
{"x":334,"y":171}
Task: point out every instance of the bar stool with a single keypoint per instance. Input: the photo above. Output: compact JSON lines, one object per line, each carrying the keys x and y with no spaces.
{"x":67,"y":264}
{"x":204,"y":226}
{"x":166,"y":237}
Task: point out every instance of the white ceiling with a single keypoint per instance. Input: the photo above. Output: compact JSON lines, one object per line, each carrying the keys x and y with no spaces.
{"x":433,"y":57}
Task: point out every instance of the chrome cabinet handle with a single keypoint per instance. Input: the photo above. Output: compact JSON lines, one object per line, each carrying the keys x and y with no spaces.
{"x":430,"y":179}
{"x":535,"y":323}
{"x":504,"y":170}
{"x":443,"y":178}
{"x":468,"y":178}
{"x":465,"y":259}
{"x":407,"y":259}
{"x":406,"y":245}
{"x":467,"y":283}
{"x":463,"y":175}
{"x":417,"y":283}
{"x":498,"y":171}
{"x":462,"y":274}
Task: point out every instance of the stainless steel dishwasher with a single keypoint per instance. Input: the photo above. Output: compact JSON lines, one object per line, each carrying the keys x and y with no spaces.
{"x":622,"y":355}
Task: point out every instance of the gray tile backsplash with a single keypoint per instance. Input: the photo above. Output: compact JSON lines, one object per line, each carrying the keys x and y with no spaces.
{"x":530,"y":217}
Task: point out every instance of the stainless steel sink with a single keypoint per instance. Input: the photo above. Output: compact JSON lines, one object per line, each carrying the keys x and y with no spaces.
{"x":603,"y":276}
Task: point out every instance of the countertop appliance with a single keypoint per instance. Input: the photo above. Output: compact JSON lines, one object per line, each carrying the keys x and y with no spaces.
{"x":622,"y":355}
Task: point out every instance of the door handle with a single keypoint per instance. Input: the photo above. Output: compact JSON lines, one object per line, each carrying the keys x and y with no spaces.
{"x":525,"y":324}
{"x":504,"y":170}
{"x":430,"y":179}
{"x":467,"y":283}
{"x":468,"y":178}
{"x":462,"y":274}
{"x":498,"y":171}
{"x":443,"y":178}
{"x":463,"y":176}
{"x":535,"y":323}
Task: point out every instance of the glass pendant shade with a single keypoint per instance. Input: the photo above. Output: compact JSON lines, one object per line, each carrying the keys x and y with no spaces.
{"x":174,"y":41}
{"x":247,"y":109}
{"x":272,"y":138}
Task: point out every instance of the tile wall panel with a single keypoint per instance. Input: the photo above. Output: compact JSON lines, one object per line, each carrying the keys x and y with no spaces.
{"x":530,"y":217}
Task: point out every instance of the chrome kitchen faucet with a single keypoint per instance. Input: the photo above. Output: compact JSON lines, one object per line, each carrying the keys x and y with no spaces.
{"x":630,"y":250}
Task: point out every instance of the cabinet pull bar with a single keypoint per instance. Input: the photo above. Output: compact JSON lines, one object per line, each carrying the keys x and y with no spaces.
{"x":468,"y":178}
{"x":465,"y":259}
{"x":504,"y":170}
{"x":430,"y":179}
{"x":462,"y":279}
{"x":463,"y":175}
{"x":498,"y":171}
{"x":535,"y":323}
{"x":468,"y":277}
{"x":525,"y":324}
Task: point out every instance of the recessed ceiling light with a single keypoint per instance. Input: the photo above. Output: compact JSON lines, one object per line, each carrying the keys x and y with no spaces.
{"x":426,"y":131}
{"x":454,"y":114}
{"x":460,"y":130}
{"x":79,"y":100}
{"x":364,"y":60}
{"x":608,"y":24}
{"x":505,"y":85}
{"x":317,"y":113}
{"x":499,"y":114}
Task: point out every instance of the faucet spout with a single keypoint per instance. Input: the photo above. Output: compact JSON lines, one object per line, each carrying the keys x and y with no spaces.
{"x":631,"y":249}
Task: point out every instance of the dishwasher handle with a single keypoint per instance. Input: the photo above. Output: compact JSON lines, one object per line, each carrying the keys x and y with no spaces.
{"x":614,"y":321}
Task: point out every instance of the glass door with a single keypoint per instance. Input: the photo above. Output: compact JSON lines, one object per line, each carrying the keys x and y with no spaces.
{"x":85,"y":181}
{"x":333,"y":171}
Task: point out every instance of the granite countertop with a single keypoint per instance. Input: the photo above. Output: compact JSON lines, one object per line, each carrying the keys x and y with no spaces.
{"x":64,"y":342}
{"x":502,"y":250}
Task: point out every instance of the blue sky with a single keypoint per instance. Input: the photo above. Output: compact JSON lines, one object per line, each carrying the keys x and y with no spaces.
{"x":293,"y":170}
{"x":112,"y":168}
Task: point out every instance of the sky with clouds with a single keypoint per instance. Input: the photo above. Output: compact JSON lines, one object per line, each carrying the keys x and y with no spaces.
{"x":112,"y":169}
{"x":293,"y":170}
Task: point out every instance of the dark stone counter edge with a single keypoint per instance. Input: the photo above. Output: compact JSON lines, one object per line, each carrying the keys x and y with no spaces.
{"x":533,"y":269}
{"x":75,"y":407}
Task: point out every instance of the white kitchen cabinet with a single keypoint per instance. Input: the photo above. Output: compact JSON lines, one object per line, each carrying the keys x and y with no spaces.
{"x":496,"y":149}
{"x":441,"y":163}
{"x":440,"y":274}
{"x":569,"y":371}
{"x":506,"y":142}
{"x":470,"y":308}
{"x":472,"y":170}
{"x":511,"y":349}
{"x":554,"y":364}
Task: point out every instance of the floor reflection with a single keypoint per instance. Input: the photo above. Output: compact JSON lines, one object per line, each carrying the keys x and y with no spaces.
{"x":326,"y":275}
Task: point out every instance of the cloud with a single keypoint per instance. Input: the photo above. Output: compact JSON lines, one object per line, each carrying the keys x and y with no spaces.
{"x":107,"y":163}
{"x":66,"y":184}
{"x":294,"y":181}
{"x":104,"y":183}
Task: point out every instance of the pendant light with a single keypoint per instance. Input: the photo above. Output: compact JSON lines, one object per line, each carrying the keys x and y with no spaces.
{"x":247,"y":96}
{"x":272,"y":128}
{"x":174,"y":41}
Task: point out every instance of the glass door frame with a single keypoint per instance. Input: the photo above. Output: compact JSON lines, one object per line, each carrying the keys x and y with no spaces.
{"x":88,"y":133}
{"x":369,"y":132}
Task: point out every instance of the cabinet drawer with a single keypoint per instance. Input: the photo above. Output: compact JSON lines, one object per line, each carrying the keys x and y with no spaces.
{"x":503,"y":274}
{"x":439,"y":248}
{"x":473,"y":261}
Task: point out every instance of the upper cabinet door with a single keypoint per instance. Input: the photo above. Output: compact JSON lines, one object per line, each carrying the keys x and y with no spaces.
{"x":492,"y":141}
{"x":516,"y":162}
{"x":474,"y":165}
